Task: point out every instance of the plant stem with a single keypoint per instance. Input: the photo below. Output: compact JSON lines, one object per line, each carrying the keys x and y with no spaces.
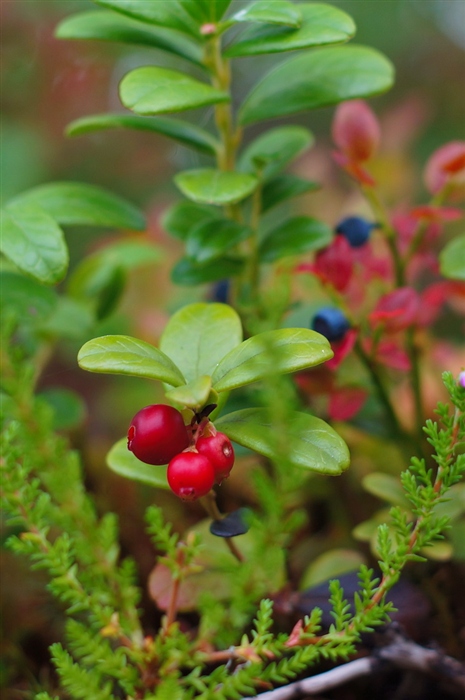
{"x":389,"y":233}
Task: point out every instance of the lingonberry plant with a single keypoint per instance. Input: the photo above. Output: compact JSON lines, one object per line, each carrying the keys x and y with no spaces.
{"x":336,"y":317}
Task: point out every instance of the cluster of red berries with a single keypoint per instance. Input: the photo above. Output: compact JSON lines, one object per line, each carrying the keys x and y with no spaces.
{"x":198,"y":456}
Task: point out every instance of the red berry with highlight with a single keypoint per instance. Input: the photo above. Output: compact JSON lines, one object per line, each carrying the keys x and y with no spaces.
{"x":157,"y":433}
{"x":220,"y":452}
{"x":190,"y":475}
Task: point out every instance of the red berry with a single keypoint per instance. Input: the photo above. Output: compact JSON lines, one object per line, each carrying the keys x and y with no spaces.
{"x":190,"y":475}
{"x":218,"y":449}
{"x":157,"y":433}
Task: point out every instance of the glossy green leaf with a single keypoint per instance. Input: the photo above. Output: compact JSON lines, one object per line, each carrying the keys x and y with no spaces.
{"x":82,"y":204}
{"x":165,"y":13}
{"x":274,"y":149}
{"x":107,"y":26}
{"x":177,"y":129}
{"x":123,"y":462}
{"x":188,"y":272}
{"x":199,"y":335}
{"x":331,"y":565}
{"x":293,"y":237}
{"x":121,"y":354}
{"x":210,"y":186}
{"x":276,"y":12}
{"x":309,"y":442}
{"x":69,"y":410}
{"x":284,"y":187}
{"x":270,"y":353}
{"x":183,"y":216}
{"x":153,"y":90}
{"x":33,"y":241}
{"x":193,"y":395}
{"x":27,"y":299}
{"x":211,"y":239}
{"x":320,"y":24}
{"x":205,"y":11}
{"x":386,"y":487}
{"x":318,"y":79}
{"x":452,"y":259}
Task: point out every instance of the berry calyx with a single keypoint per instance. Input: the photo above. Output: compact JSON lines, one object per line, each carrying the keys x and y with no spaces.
{"x":330,"y":322}
{"x":219,"y":450}
{"x":190,"y":475}
{"x":157,"y":433}
{"x":355,"y":230}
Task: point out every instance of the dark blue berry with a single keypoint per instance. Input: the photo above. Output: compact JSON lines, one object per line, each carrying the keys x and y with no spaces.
{"x":220,"y":292}
{"x":355,"y":230}
{"x":330,"y":322}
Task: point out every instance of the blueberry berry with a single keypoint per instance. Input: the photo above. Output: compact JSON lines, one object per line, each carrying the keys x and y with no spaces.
{"x":218,"y":449}
{"x":190,"y":475}
{"x":220,"y":291}
{"x":157,"y":433}
{"x":330,"y":322}
{"x":355,"y":230}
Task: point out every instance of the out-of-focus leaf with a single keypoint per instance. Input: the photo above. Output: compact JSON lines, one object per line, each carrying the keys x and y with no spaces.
{"x":452,"y":259}
{"x":211,"y":239}
{"x":165,"y":13}
{"x":331,"y":565}
{"x":210,"y":186}
{"x":386,"y":487}
{"x":154,"y":90}
{"x":123,"y":462}
{"x":276,"y":12}
{"x":26,"y":298}
{"x":199,"y":335}
{"x":273,"y":150}
{"x":319,"y":78}
{"x":68,"y":407}
{"x":320,"y":24}
{"x":293,"y":237}
{"x":284,"y":187}
{"x":188,"y":272}
{"x":177,"y":129}
{"x":70,"y":319}
{"x":183,"y":216}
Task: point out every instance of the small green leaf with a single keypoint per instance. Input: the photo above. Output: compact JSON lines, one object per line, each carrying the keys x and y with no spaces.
{"x":33,"y":241}
{"x":123,"y":462}
{"x":309,"y":442}
{"x":295,"y":236}
{"x":320,"y":24}
{"x":107,"y":26}
{"x":199,"y":335}
{"x":273,"y":150}
{"x":276,"y":12}
{"x":68,"y":407}
{"x":153,"y":90}
{"x":188,"y":272}
{"x":183,"y":216}
{"x":210,"y":186}
{"x":29,"y":300}
{"x":211,"y":239}
{"x":270,"y":353}
{"x":82,"y":204}
{"x":165,"y":13}
{"x":283,"y":187}
{"x":330,"y":565}
{"x":318,"y":79}
{"x":452,"y":259}
{"x":177,"y":129}
{"x":193,"y":395}
{"x":386,"y":487}
{"x":121,"y":354}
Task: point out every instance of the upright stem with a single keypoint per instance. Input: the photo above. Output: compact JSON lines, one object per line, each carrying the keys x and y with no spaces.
{"x":389,"y":233}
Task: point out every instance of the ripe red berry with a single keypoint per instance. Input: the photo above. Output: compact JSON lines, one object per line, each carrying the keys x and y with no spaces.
{"x":157,"y":433}
{"x":218,"y":449}
{"x":190,"y":475}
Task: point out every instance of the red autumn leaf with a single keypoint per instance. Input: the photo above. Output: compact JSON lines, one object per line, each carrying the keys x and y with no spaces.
{"x":446,"y":166}
{"x":346,"y":402}
{"x":356,"y":130}
{"x":396,"y":310}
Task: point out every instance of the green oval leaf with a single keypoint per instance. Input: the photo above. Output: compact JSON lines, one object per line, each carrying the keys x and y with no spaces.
{"x":121,"y":354}
{"x":318,"y":79}
{"x":283,"y":187}
{"x":211,"y":239}
{"x":270,"y":353}
{"x":188,"y":272}
{"x":320,"y":24}
{"x":153,"y":90}
{"x":274,"y":149}
{"x":452,"y":259}
{"x":106,"y":26}
{"x":276,"y":12}
{"x":165,"y":13}
{"x":68,"y":407}
{"x":33,"y":241}
{"x":183,"y":216}
{"x":210,"y":186}
{"x":295,"y":236}
{"x":309,"y":442}
{"x":330,"y":565}
{"x":82,"y":204}
{"x":193,"y":395}
{"x":29,"y":300}
{"x":198,"y":336}
{"x":387,"y":488}
{"x":177,"y":129}
{"x":123,"y":462}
